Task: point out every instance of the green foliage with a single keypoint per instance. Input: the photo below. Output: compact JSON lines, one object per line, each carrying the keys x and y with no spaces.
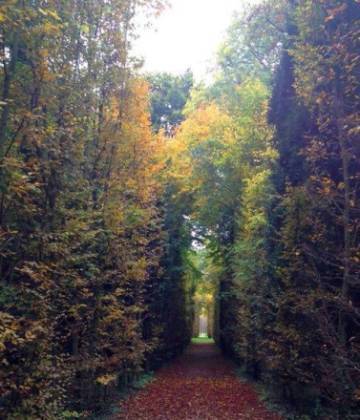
{"x":276,"y":207}
{"x":202,"y":340}
{"x":169,"y":95}
{"x":252,"y":46}
{"x":301,"y":252}
{"x":143,"y":381}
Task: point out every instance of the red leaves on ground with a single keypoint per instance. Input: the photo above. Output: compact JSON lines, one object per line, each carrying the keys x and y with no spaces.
{"x":201,"y":385}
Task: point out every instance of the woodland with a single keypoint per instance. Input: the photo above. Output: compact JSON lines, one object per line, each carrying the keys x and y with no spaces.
{"x":131,"y":203}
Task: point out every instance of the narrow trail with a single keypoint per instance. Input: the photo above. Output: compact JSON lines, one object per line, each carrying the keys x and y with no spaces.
{"x":200,"y":385}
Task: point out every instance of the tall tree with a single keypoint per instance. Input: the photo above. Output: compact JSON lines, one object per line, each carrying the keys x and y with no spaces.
{"x":169,"y":95}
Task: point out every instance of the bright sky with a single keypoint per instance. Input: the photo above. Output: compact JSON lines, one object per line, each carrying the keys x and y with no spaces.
{"x":187,"y":35}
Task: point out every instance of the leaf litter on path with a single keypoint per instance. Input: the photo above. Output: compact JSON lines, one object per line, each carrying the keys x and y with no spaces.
{"x":200,"y":385}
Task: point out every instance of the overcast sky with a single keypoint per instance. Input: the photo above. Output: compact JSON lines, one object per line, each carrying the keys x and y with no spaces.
{"x":187,"y":35}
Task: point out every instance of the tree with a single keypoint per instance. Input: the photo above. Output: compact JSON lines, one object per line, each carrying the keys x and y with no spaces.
{"x":77,"y":206}
{"x":169,"y":95}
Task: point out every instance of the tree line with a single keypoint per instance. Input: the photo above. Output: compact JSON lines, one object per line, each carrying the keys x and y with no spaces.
{"x":85,"y":294}
{"x":269,"y":154}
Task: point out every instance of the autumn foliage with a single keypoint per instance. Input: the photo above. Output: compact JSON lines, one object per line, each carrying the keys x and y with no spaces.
{"x":81,"y":235}
{"x":128,"y":204}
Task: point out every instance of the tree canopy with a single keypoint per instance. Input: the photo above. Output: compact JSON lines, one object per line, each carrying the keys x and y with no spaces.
{"x":131,"y":204}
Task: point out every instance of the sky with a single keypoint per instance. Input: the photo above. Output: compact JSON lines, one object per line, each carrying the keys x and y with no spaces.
{"x":187,"y":35}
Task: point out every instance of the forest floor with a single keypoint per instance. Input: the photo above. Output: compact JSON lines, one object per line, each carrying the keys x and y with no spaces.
{"x":200,"y":385}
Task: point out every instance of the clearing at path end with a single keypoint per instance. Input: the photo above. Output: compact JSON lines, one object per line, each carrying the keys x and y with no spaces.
{"x":200,"y":385}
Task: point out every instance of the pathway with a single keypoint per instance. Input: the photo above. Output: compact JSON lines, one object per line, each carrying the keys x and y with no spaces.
{"x":200,"y":385}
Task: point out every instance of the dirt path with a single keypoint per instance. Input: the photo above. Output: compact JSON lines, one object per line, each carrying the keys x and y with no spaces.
{"x":200,"y":385}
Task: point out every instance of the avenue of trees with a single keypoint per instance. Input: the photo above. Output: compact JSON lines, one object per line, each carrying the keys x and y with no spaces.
{"x":130,"y":203}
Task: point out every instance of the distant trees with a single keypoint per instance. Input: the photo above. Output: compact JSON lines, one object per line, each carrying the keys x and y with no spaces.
{"x":169,"y":95}
{"x":174,"y":305}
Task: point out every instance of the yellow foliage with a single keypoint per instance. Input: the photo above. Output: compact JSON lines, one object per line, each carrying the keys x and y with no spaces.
{"x":105,"y":380}
{"x":208,"y":122}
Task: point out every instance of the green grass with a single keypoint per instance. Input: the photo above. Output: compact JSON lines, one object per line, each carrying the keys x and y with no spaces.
{"x":202,"y":340}
{"x":143,"y":381}
{"x":112,"y":410}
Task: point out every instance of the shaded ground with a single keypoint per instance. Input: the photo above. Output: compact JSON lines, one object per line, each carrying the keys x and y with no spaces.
{"x":200,"y":385}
